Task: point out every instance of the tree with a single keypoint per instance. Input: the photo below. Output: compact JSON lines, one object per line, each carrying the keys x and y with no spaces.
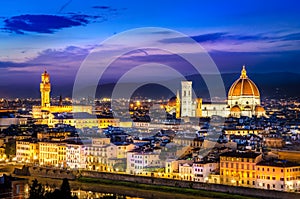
{"x":65,"y":189}
{"x":36,"y":190}
{"x":10,"y":148}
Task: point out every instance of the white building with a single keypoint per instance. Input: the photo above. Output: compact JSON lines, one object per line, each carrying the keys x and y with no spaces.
{"x":99,"y":153}
{"x":202,"y":170}
{"x":138,"y":162}
{"x":243,"y":100}
{"x":186,"y":171}
{"x":186,"y":99}
{"x":76,"y":156}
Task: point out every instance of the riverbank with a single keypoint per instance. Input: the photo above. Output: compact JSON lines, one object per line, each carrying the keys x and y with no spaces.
{"x":186,"y":192}
{"x":190,"y":188}
{"x":137,"y":190}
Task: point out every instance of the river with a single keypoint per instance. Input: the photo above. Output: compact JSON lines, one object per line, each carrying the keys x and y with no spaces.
{"x":95,"y":191}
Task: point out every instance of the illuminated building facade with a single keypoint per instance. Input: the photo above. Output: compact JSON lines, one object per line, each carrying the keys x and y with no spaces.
{"x":27,"y":151}
{"x":52,"y":153}
{"x":280,"y":175}
{"x":243,"y":100}
{"x":45,"y":89}
{"x":244,"y":97}
{"x":238,"y":168}
{"x":138,"y":162}
{"x":76,"y":156}
{"x":202,"y":170}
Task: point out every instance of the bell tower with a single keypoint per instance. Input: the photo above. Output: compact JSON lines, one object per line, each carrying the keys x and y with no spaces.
{"x":45,"y":89}
{"x":177,"y":105}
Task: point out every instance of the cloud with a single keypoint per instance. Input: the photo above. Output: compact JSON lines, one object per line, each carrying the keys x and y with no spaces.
{"x":225,"y":36}
{"x":46,"y":23}
{"x":234,"y":42}
{"x":217,"y":36}
{"x":101,"y":7}
{"x":65,"y":60}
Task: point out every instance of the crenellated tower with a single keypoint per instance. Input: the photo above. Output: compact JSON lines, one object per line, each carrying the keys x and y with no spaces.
{"x":45,"y":89}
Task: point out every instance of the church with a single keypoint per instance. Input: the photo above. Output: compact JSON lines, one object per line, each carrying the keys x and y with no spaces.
{"x":243,"y":100}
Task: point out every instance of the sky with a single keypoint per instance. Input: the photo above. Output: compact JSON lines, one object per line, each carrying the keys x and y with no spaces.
{"x":59,"y":36}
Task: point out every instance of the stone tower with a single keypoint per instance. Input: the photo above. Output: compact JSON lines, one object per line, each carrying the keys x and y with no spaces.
{"x":45,"y":89}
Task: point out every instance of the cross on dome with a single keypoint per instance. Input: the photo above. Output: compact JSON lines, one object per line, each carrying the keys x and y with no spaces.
{"x":244,"y":72}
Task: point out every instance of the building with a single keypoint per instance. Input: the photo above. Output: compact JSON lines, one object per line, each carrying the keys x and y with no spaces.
{"x":291,"y":155}
{"x":8,"y":118}
{"x":244,"y":97}
{"x":99,"y":154}
{"x":43,"y":112}
{"x":52,"y":153}
{"x":186,"y":99}
{"x":27,"y":151}
{"x":238,"y":168}
{"x":242,"y":131}
{"x":280,"y":175}
{"x":76,"y":156}
{"x":274,"y":142}
{"x":243,"y":100}
{"x":186,"y":171}
{"x":138,"y":162}
{"x":3,"y":156}
{"x":202,"y":170}
{"x":75,"y":115}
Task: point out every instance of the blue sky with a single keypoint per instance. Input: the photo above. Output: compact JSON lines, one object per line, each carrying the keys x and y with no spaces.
{"x":58,"y":35}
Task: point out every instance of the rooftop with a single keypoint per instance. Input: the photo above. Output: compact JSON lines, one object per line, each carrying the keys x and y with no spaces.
{"x":241,"y":154}
{"x":278,"y":163}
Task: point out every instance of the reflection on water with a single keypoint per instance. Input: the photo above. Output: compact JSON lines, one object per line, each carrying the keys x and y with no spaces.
{"x":81,"y":194}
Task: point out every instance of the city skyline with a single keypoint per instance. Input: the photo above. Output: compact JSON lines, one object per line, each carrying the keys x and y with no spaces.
{"x":59,"y":35}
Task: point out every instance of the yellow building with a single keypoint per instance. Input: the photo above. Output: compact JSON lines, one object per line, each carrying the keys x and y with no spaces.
{"x":278,"y":175}
{"x":243,"y":132}
{"x":274,"y":142}
{"x":53,"y":134}
{"x":2,"y":154}
{"x":88,"y":121}
{"x":52,"y":153}
{"x":293,"y":156}
{"x":27,"y":151}
{"x":238,"y":168}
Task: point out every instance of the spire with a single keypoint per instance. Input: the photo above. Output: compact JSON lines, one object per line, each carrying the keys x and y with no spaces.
{"x":60,"y":101}
{"x":244,"y":72}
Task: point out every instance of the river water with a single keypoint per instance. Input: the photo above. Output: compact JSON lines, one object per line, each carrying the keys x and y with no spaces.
{"x":107,"y":191}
